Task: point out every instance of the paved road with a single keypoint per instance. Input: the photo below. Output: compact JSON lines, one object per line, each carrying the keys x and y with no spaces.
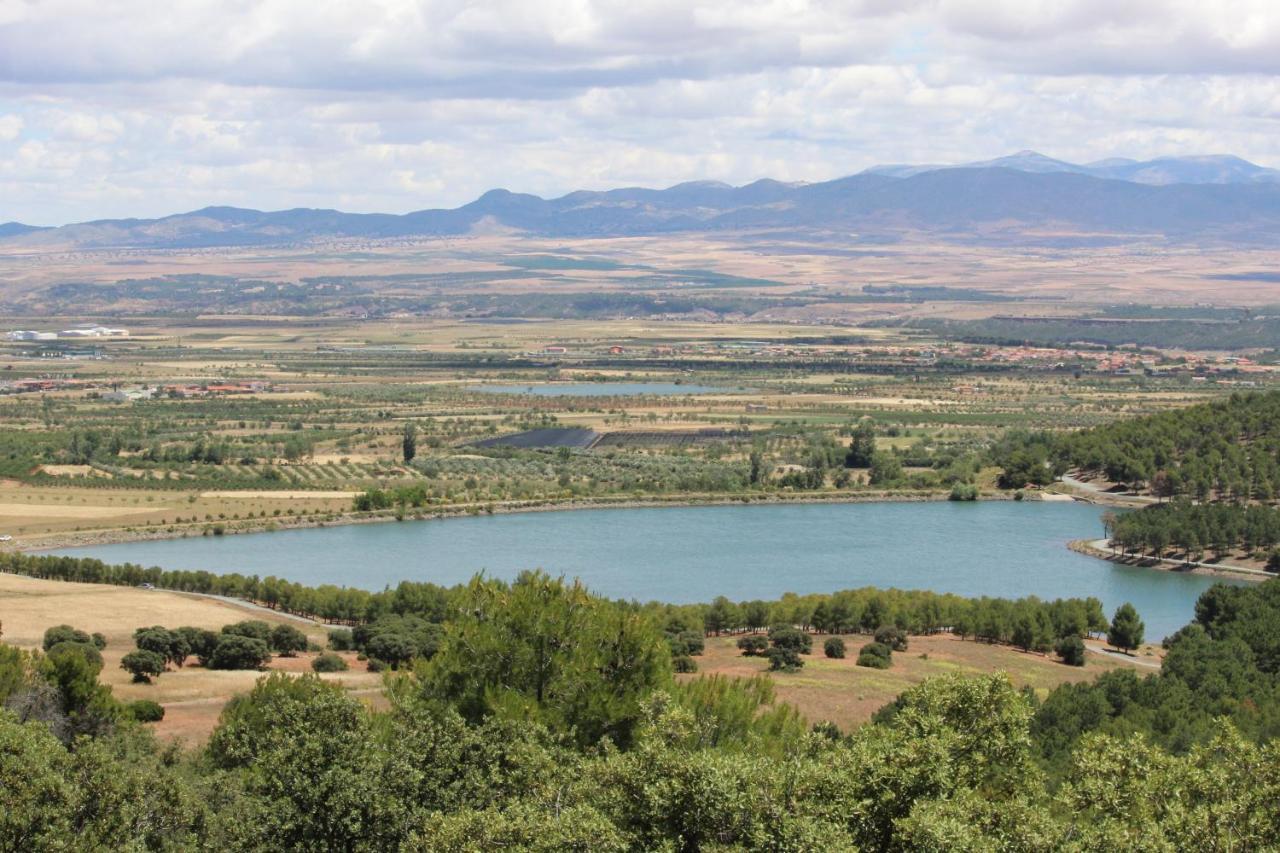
{"x":1121,"y":656}
{"x":1093,"y":489}
{"x":1105,"y":545}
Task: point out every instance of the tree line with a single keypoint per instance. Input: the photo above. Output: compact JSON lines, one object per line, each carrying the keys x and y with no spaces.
{"x":549,"y":719}
{"x":1194,"y":529}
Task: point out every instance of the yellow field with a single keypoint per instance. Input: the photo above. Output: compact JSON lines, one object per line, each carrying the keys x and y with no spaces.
{"x":847,"y":694}
{"x":193,"y":697}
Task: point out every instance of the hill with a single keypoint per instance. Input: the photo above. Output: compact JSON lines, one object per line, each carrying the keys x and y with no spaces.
{"x":1026,"y":199}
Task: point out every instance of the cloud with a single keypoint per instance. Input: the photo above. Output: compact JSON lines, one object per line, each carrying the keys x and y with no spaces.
{"x":396,"y":105}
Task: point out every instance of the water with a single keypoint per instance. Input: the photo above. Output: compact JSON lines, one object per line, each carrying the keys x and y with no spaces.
{"x":600,"y":389}
{"x":689,"y":554}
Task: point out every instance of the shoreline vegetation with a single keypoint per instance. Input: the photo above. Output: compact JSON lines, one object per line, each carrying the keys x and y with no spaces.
{"x":1092,"y":548}
{"x":112,"y":536}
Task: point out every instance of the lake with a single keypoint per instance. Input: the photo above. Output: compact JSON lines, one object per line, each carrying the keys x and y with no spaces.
{"x":689,"y":554}
{"x":600,"y":389}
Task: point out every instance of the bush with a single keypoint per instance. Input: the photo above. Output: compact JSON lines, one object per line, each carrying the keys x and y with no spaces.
{"x":1071,"y":650}
{"x":288,"y":640}
{"x":329,"y":662}
{"x":238,"y":652}
{"x":794,"y":639}
{"x":963,"y":492}
{"x":875,"y":655}
{"x":200,"y":641}
{"x":893,"y":637}
{"x":375,"y":665}
{"x":784,"y":659}
{"x":143,"y":665}
{"x":64,"y":634}
{"x":684,"y":663}
{"x":255,"y":628}
{"x":145,"y":711}
{"x":99,"y":641}
{"x":340,"y":640}
{"x":833,"y":647}
{"x":753,"y":645}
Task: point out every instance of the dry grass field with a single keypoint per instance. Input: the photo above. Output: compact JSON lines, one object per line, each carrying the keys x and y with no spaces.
{"x":847,"y":694}
{"x":193,"y":696}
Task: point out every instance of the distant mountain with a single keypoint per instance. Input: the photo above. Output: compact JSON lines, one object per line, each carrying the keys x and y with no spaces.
{"x":1211,"y":169}
{"x":1026,"y":198}
{"x":14,"y":229}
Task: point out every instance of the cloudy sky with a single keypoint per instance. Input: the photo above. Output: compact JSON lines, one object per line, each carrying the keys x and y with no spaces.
{"x":138,"y":108}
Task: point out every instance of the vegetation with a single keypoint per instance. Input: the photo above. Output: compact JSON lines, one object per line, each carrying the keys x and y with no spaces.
{"x":500,"y":737}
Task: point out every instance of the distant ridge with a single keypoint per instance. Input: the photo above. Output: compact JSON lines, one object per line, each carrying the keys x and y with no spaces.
{"x":1026,"y":198}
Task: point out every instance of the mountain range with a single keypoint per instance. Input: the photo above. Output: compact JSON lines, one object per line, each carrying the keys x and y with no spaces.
{"x":1026,"y":197}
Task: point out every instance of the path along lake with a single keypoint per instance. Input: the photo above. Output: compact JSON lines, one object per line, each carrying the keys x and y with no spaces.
{"x":690,"y":554}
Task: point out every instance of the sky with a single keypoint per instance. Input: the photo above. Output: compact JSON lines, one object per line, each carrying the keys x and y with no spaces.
{"x":137,"y":108}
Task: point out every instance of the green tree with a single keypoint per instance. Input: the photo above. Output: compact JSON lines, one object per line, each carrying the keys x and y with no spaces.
{"x":143,"y":665}
{"x":1126,"y":628}
{"x":1071,"y":650}
{"x":235,"y":651}
{"x":409,"y":441}
{"x":862,"y":446}
{"x":64,"y":634}
{"x":545,"y":649}
{"x":287,"y":640}
{"x":833,"y":647}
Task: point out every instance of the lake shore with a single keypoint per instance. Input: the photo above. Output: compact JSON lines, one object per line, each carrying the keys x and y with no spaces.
{"x":112,"y":536}
{"x":1091,"y":548}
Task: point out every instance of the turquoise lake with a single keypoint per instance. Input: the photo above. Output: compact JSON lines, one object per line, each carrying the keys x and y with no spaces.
{"x":689,"y":554}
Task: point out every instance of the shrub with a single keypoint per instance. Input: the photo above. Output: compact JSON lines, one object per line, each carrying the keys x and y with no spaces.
{"x":201,"y":641}
{"x":794,"y":639}
{"x":684,"y":663}
{"x":875,"y":655}
{"x":255,"y":628}
{"x":64,"y":634}
{"x":893,"y":637}
{"x":145,"y":711}
{"x":99,"y":640}
{"x":288,"y":640}
{"x":340,"y":639}
{"x":375,"y":665}
{"x":833,"y":647}
{"x":784,"y":659}
{"x":329,"y":662}
{"x":1071,"y":650}
{"x":143,"y":665}
{"x":963,"y":492}
{"x":753,"y":645}
{"x":238,"y":652}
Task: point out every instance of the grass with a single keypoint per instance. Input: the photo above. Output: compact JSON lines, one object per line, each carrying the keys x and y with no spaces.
{"x":848,"y":695}
{"x":193,"y":697}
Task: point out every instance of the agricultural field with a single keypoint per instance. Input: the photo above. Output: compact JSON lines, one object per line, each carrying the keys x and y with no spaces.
{"x":226,"y":423}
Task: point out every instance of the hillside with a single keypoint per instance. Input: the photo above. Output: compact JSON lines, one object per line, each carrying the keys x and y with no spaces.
{"x":1018,"y":201}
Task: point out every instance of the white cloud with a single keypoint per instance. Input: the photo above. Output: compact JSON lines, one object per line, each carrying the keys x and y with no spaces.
{"x":397,"y":105}
{"x":10,"y":127}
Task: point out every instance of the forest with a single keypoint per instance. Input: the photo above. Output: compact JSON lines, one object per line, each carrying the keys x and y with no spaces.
{"x":549,"y":719}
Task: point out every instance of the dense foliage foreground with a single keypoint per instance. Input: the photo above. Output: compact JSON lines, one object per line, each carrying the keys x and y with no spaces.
{"x":549,"y":719}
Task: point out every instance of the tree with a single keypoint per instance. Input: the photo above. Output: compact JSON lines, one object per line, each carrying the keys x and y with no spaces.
{"x":1071,"y":650}
{"x":64,"y":634}
{"x":235,"y":651}
{"x":199,"y":641}
{"x":862,"y":447}
{"x":833,"y":647}
{"x":409,"y":441}
{"x":753,"y":645}
{"x":393,"y":648}
{"x":1126,"y":628}
{"x":885,"y":469}
{"x":784,"y":659}
{"x":544,"y":649}
{"x":143,"y":665}
{"x":287,"y":640}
